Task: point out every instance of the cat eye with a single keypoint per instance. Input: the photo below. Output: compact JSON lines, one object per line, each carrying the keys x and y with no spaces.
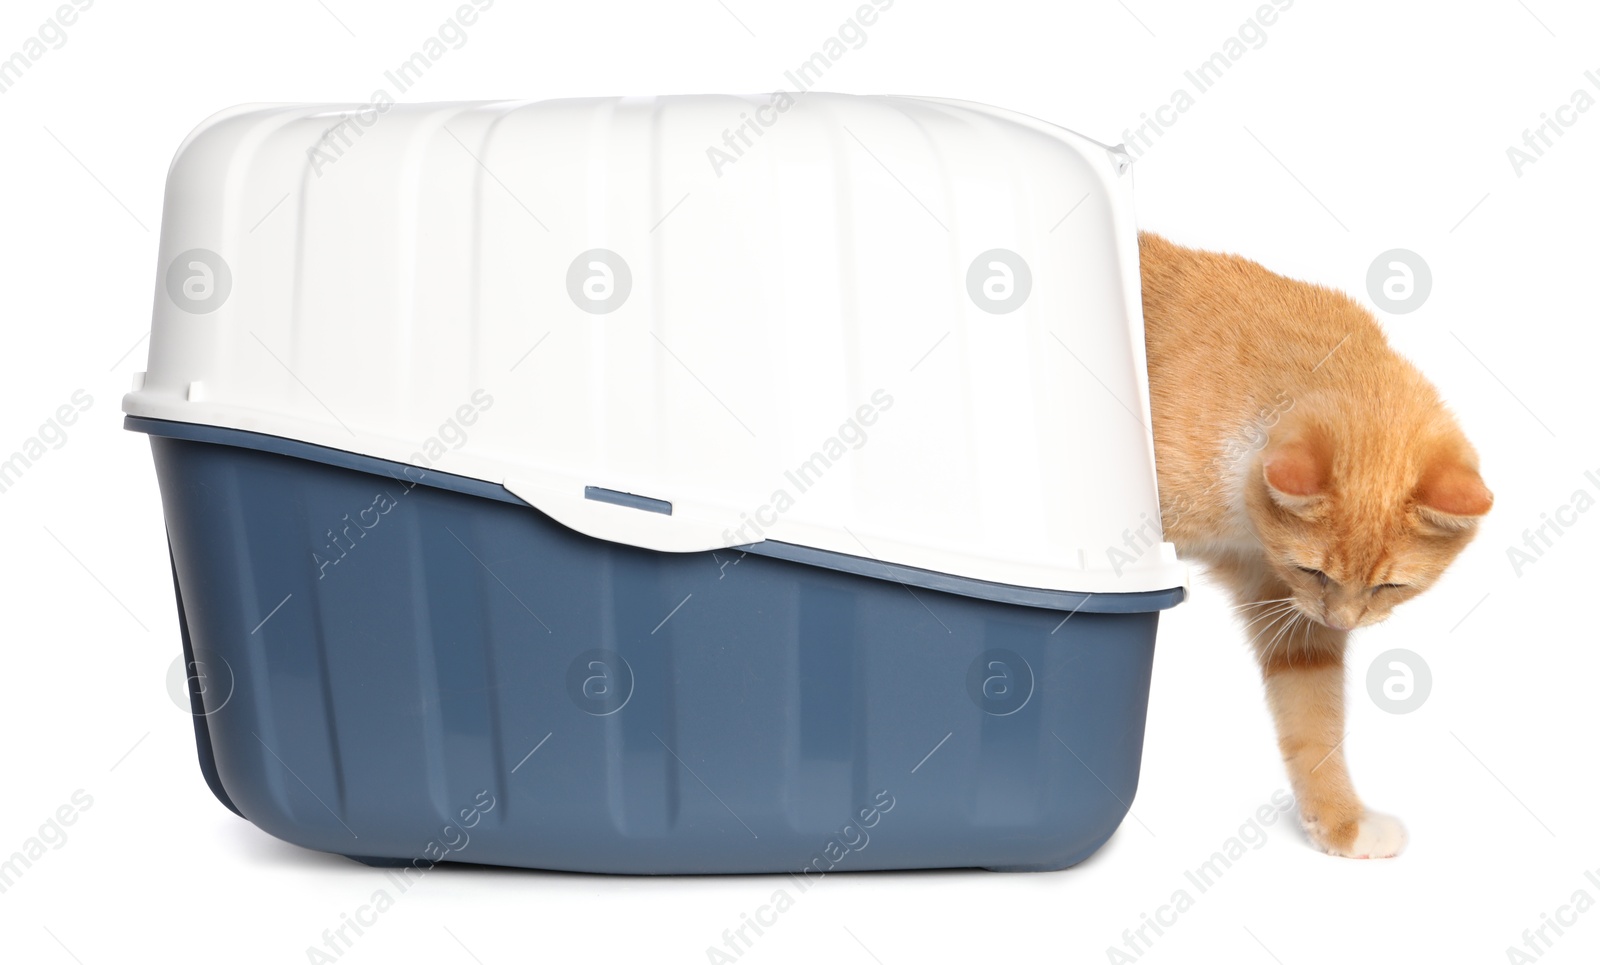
{"x":1321,"y":576}
{"x":1391,"y":586}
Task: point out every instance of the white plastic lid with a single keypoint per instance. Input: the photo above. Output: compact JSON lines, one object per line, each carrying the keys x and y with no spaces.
{"x":888,"y":327}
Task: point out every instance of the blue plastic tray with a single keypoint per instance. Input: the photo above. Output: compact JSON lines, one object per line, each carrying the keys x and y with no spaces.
{"x":407,"y":667}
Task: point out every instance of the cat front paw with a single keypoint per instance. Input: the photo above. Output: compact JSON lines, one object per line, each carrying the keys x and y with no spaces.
{"x":1372,"y":835}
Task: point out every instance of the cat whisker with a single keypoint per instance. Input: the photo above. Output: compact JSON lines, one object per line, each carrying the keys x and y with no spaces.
{"x":1286,"y":635}
{"x":1283,"y":628}
{"x":1257,"y":603}
{"x":1271,"y":614}
{"x":1284,"y":623}
{"x":1270,"y":609}
{"x":1271,"y":624}
{"x":1268,"y":605}
{"x":1306,"y":629}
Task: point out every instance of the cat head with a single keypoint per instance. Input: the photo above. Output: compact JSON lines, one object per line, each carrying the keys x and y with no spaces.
{"x":1353,"y":522}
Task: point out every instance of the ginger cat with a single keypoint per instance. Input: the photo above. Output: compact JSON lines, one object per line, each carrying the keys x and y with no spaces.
{"x":1316,"y":474}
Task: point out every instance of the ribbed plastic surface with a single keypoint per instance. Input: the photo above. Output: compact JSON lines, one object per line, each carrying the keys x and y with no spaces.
{"x":402,"y":672}
{"x":889,"y":327}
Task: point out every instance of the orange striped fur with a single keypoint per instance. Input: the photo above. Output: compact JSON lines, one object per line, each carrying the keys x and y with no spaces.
{"x":1313,"y":472}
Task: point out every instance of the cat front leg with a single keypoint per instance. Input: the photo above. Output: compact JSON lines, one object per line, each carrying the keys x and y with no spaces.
{"x":1305,"y":691}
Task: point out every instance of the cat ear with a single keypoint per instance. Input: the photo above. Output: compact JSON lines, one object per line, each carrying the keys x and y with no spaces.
{"x":1452,"y":496}
{"x":1296,"y":473}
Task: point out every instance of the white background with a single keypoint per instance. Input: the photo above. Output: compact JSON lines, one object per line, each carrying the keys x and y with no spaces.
{"x":1357,"y":127}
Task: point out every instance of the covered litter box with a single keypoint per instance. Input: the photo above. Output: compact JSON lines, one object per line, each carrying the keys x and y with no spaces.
{"x":660,"y":485}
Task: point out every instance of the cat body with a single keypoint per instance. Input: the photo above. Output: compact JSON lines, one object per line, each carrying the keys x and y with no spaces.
{"x":1312,"y":471}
